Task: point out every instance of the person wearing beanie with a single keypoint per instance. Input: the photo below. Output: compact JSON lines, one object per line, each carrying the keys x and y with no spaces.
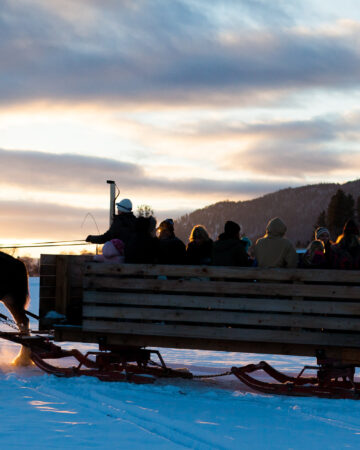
{"x":346,"y":251}
{"x":323,"y":234}
{"x":124,"y":206}
{"x":171,"y":249}
{"x":274,"y":250}
{"x":123,"y":226}
{"x":229,"y":249}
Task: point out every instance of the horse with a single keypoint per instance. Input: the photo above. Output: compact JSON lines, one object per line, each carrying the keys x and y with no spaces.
{"x":14,"y":293}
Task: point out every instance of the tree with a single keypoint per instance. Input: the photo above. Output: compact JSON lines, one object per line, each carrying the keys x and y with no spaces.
{"x":32,"y":265}
{"x":144,"y":211}
{"x":340,"y":209}
{"x":358,"y":208}
{"x":320,"y":222}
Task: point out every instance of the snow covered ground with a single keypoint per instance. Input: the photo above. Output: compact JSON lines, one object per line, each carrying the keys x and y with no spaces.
{"x":39,"y":411}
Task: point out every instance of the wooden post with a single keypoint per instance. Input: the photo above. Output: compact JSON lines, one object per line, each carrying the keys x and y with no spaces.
{"x":62,"y":284}
{"x":112,"y":201}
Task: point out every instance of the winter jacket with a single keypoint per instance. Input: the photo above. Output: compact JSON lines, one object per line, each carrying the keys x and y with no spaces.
{"x":229,"y":251}
{"x":172,"y":251}
{"x":346,"y":253}
{"x":112,"y":252}
{"x":142,"y":249}
{"x":197,"y":254}
{"x":273,"y":250}
{"x":315,"y":260}
{"x":122,"y":228}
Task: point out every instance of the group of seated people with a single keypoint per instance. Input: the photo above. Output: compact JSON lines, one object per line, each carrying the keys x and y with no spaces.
{"x":133,"y":239}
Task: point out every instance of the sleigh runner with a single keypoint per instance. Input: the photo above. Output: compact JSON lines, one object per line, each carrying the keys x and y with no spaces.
{"x":127,"y":309}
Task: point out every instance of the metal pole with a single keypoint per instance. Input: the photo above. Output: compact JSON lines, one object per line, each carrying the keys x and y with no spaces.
{"x":112,"y":201}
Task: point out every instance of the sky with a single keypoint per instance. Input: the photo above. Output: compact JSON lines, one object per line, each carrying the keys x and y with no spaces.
{"x":183,"y":103}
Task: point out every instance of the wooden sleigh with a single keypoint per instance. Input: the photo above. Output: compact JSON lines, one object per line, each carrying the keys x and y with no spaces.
{"x":129,"y":309}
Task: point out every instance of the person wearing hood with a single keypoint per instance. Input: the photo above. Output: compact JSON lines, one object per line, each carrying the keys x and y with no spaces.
{"x":274,"y":250}
{"x":229,"y":249}
{"x":346,"y":251}
{"x":123,"y":226}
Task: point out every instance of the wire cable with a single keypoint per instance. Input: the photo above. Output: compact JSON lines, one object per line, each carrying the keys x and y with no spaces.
{"x":47,"y":244}
{"x":93,"y":218}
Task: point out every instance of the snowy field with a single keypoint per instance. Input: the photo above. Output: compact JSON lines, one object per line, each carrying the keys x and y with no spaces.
{"x":40,"y":411}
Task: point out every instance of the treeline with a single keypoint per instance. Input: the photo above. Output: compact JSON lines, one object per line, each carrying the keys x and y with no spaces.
{"x":300,"y":208}
{"x":32,"y":265}
{"x":341,"y":207}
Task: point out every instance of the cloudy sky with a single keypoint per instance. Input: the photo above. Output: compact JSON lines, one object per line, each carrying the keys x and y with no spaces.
{"x":183,"y":103}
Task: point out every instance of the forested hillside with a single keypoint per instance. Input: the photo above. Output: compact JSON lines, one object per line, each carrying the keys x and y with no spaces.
{"x":298,"y":207}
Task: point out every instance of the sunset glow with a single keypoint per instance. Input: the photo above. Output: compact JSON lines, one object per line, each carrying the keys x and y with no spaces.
{"x":182,"y":103}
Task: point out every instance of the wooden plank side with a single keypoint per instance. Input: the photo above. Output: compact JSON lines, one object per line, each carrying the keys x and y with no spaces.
{"x":62,"y":284}
{"x":223,"y":303}
{"x":346,"y":354}
{"x":335,"y":276}
{"x":222,"y":287}
{"x":48,"y":260}
{"x":48,"y":280}
{"x":76,"y":267}
{"x":47,"y":270}
{"x":224,"y":333}
{"x":61,"y":281}
{"x":47,"y":291}
{"x":203,"y":317}
{"x":69,"y":286}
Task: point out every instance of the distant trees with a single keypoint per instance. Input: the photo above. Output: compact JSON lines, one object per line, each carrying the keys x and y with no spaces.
{"x":340,"y":209}
{"x":32,"y":265}
{"x":321,"y":220}
{"x":144,"y":211}
{"x":300,"y":208}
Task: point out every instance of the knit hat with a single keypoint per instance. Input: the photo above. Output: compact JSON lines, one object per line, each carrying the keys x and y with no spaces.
{"x":167,"y":224}
{"x":319,"y":231}
{"x":350,"y":227}
{"x":124,"y":205}
{"x":231,"y":227}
